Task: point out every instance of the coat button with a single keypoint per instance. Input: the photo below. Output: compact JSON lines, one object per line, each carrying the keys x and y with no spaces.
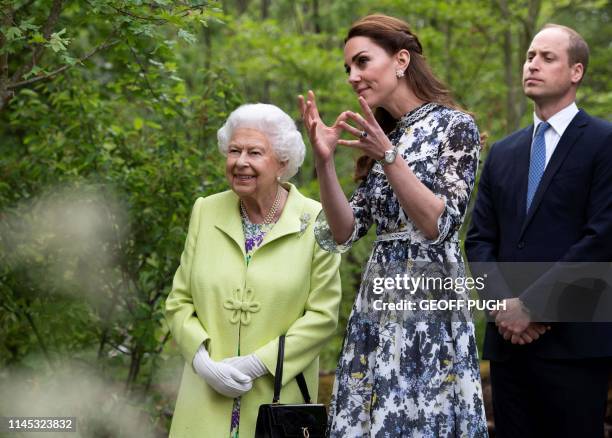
{"x":521,"y":245}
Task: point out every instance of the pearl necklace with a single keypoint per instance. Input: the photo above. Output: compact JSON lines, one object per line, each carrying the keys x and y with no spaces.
{"x":271,"y":213}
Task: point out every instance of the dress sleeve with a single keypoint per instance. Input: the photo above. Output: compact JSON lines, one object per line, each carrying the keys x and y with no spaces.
{"x":456,"y":173}
{"x":180,"y":311}
{"x":363,"y":221}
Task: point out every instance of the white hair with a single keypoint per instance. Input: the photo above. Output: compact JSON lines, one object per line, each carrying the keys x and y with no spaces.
{"x":276,"y":125}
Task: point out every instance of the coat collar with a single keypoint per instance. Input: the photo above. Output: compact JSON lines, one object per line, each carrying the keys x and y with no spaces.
{"x":229,"y":221}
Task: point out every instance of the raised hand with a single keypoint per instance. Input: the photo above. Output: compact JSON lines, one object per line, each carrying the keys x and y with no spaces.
{"x":371,"y":139}
{"x":322,"y":137}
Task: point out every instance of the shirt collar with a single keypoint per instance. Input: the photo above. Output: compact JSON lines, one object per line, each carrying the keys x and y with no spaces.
{"x":560,"y":121}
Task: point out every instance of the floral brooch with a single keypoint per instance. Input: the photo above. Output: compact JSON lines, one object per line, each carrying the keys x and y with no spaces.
{"x":304,"y":220}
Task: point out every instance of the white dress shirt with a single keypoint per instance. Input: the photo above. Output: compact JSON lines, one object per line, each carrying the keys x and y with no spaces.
{"x":558,"y":124}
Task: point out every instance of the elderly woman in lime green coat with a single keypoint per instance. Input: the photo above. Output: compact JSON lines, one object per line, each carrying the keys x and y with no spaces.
{"x":236,"y":291}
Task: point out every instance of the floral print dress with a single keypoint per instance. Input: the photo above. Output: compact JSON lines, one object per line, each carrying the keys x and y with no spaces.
{"x":253,"y":236}
{"x":402,"y":375}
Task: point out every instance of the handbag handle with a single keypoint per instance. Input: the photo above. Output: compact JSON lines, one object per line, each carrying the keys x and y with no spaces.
{"x":278,"y":375}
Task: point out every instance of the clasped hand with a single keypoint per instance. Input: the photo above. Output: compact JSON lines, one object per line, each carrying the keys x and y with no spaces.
{"x":515,"y":325}
{"x":231,"y":377}
{"x":371,"y":139}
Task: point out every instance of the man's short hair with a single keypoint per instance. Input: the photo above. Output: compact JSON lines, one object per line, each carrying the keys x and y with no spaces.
{"x":578,"y":51}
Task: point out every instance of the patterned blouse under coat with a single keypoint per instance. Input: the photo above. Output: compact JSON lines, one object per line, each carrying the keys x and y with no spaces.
{"x":397,"y":376}
{"x":253,"y":237}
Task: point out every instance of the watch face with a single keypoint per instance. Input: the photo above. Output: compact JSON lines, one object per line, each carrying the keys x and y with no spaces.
{"x":390,"y":156}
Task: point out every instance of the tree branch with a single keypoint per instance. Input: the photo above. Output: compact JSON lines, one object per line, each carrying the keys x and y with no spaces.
{"x":188,"y":9}
{"x":159,"y":349}
{"x":139,"y":17}
{"x":25,"y":6}
{"x":145,"y":76}
{"x":9,"y":16}
{"x":63,"y":68}
{"x":6,"y":21}
{"x":54,"y":14}
{"x":38,"y":336}
{"x":157,"y":352}
{"x":184,"y":12}
{"x":120,"y":348}
{"x":143,"y":70}
{"x":159,"y":288}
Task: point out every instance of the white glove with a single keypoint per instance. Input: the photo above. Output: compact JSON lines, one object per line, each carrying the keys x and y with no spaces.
{"x":249,"y":365}
{"x":222,"y":377}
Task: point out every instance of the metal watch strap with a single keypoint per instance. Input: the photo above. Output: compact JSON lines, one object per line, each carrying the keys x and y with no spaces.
{"x":393,"y":150}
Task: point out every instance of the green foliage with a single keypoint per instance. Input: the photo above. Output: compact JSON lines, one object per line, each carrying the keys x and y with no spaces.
{"x":100,"y":167}
{"x":108,"y":118}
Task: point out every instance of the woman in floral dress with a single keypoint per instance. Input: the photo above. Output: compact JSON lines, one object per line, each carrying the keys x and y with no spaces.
{"x":401,"y":374}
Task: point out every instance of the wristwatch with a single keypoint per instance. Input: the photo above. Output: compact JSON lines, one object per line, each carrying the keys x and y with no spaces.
{"x":390,"y":156}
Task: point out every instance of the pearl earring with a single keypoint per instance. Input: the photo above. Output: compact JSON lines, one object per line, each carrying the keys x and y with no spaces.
{"x":399,"y":73}
{"x":278,"y":179}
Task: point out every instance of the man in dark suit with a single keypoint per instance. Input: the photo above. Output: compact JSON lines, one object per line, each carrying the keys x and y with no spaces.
{"x":544,"y":198}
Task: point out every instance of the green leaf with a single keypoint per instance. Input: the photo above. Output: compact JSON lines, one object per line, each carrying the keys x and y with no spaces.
{"x":13,"y":33}
{"x":187,"y":36}
{"x":69,"y":60}
{"x":57,"y":43}
{"x":138,"y":123}
{"x":170,"y":66}
{"x":38,"y":38}
{"x":154,"y":125}
{"x":35,"y":71}
{"x":171,"y":18}
{"x":152,"y":261}
{"x":28,"y":25}
{"x":28,"y":92}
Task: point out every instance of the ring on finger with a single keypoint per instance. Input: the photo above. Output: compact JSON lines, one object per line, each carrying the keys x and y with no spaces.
{"x":363,"y":134}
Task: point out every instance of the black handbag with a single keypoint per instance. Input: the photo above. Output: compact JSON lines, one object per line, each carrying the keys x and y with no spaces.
{"x":275,"y":420}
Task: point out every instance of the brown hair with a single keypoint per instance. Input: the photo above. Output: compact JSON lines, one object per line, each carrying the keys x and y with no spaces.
{"x":393,"y":35}
{"x":578,"y":50}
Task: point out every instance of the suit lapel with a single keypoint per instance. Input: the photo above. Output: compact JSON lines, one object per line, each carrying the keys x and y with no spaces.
{"x":570,"y":137}
{"x":521,"y":171}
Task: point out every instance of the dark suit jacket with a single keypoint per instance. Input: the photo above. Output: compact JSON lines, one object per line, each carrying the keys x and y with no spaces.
{"x":570,"y":220}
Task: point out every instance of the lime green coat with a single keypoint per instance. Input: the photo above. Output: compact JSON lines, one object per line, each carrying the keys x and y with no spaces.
{"x":291,"y":286}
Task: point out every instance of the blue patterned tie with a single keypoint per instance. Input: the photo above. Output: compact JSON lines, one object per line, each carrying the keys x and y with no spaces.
{"x":537,"y":162}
